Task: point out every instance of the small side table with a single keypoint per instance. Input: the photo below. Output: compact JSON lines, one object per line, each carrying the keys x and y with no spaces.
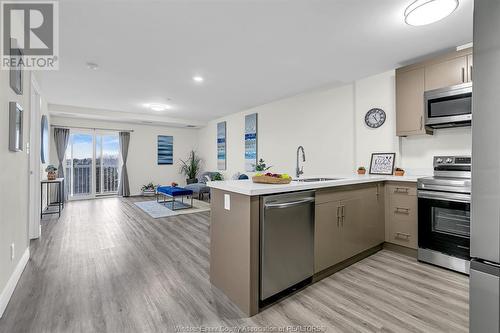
{"x":60,"y":197}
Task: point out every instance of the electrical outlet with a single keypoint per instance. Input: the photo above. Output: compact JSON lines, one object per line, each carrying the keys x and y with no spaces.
{"x":12,"y":251}
{"x":227,"y":202}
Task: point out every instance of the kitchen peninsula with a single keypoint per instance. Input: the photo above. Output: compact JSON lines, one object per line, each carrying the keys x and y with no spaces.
{"x":352,"y":217}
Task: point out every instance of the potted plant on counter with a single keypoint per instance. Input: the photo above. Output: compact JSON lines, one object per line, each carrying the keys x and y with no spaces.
{"x":261,"y":166}
{"x":51,"y":172}
{"x":216,"y":176}
{"x":399,"y":172}
{"x":191,"y":167}
{"x":361,"y":170}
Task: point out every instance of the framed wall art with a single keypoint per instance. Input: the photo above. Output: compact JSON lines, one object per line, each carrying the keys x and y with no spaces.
{"x":15,"y":127}
{"x":165,"y":150}
{"x":382,"y":163}
{"x":44,"y":140}
{"x":250,"y":142}
{"x":221,"y":145}
{"x":16,"y":72}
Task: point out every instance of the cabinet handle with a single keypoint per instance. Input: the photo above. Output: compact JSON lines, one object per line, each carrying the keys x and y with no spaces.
{"x":470,"y":73}
{"x":343,"y":214}
{"x":404,"y":190}
{"x":402,"y":234}
{"x":463,"y":74}
{"x":402,"y":211}
{"x":338,"y":216}
{"x":421,"y":122}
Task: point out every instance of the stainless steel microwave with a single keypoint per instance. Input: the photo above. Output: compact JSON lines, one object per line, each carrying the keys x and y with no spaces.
{"x":449,"y":107}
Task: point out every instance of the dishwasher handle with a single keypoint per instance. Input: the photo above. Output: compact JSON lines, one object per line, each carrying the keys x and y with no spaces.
{"x":289,"y":204}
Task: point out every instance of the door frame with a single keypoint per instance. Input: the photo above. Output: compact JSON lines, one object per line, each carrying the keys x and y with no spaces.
{"x":34,"y":193}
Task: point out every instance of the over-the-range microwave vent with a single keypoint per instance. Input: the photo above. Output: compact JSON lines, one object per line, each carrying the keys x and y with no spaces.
{"x":451,"y":124}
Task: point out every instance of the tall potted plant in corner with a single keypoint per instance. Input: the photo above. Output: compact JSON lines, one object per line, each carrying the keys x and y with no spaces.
{"x":191,"y":167}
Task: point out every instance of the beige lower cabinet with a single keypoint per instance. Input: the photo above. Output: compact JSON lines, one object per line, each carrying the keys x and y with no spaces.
{"x":348,"y":221}
{"x":401,"y":214}
{"x":327,"y":242}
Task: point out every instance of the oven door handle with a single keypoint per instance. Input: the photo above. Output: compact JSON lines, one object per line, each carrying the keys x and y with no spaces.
{"x":445,"y":196}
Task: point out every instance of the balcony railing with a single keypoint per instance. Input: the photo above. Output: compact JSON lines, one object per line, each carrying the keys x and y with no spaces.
{"x":109,"y":181}
{"x":80,"y":175}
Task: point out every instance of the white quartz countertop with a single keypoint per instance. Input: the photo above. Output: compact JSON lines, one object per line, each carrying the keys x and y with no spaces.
{"x":247,"y":187}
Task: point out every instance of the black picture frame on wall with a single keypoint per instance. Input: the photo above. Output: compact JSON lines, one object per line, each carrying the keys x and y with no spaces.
{"x":382,"y":163}
{"x":16,"y":73}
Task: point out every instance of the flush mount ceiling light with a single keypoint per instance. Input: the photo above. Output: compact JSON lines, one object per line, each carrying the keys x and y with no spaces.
{"x":422,"y":12}
{"x":198,"y":79}
{"x":92,"y":66}
{"x":158,"y":106}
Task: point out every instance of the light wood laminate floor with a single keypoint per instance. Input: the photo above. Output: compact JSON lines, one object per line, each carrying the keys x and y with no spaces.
{"x":105,"y":266}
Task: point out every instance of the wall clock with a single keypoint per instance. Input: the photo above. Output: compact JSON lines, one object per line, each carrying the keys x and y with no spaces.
{"x":375,"y":118}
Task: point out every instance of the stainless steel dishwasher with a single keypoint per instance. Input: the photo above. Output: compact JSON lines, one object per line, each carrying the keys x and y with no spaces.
{"x":286,"y":243}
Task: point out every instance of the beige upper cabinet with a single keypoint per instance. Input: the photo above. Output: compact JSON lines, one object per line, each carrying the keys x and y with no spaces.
{"x":446,"y":73}
{"x":410,"y":86}
{"x":413,"y":80}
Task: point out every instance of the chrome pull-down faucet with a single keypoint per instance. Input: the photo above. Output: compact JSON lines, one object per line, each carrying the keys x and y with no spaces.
{"x":300,"y":170}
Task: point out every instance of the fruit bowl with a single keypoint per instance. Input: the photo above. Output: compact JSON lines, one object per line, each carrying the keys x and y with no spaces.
{"x":270,"y":178}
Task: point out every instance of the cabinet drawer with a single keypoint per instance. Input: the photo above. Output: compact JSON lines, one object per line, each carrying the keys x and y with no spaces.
{"x":397,"y":190}
{"x":403,"y":233}
{"x":402,"y":226}
{"x":345,"y":192}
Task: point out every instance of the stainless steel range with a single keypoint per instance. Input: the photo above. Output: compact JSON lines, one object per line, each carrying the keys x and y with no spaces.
{"x":444,"y":214}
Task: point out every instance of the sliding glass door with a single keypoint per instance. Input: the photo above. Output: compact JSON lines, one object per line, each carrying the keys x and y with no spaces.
{"x":107,"y":163}
{"x":92,"y":163}
{"x":80,"y":164}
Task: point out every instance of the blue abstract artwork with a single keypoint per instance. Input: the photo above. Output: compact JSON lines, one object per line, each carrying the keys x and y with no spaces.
{"x":221,"y":145}
{"x":165,"y":149}
{"x":250,"y":142}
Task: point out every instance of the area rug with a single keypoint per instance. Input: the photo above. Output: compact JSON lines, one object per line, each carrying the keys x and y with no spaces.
{"x":159,"y":209}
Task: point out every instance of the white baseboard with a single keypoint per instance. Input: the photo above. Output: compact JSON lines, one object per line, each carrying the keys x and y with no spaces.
{"x":11,"y":284}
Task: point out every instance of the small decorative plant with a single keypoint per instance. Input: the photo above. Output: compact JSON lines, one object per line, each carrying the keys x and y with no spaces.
{"x":261,"y":166}
{"x":191,"y":167}
{"x":149,"y":189}
{"x":399,"y":172}
{"x":361,"y":170}
{"x":217,"y":176}
{"x":51,"y":172}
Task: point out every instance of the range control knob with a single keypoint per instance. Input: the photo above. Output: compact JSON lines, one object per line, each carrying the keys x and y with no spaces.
{"x":439,"y":160}
{"x":449,"y":160}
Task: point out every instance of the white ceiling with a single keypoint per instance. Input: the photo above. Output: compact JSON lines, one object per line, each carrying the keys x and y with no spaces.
{"x":249,"y":52}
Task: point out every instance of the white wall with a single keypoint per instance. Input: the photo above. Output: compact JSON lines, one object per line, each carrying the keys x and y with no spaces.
{"x":142,"y":156}
{"x":14,"y":187}
{"x":321,"y":121}
{"x":376,"y":91}
{"x":330,"y":125}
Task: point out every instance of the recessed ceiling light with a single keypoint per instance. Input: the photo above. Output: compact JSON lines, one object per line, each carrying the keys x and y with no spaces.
{"x":422,"y":12}
{"x":93,"y":66}
{"x":198,"y":79}
{"x":158,"y":106}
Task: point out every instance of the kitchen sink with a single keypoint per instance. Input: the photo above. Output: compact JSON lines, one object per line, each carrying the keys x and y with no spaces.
{"x":311,"y":180}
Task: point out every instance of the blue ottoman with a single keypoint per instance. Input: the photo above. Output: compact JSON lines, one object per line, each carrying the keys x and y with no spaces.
{"x":172,"y":193}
